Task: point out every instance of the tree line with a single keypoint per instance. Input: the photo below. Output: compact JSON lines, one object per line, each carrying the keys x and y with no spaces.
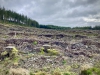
{"x":13,"y":17}
{"x":54,"y":27}
{"x":97,"y":27}
{"x":19,"y":19}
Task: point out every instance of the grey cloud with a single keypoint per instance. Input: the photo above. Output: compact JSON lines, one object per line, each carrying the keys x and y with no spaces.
{"x":57,"y":12}
{"x":76,"y":3}
{"x":83,"y":12}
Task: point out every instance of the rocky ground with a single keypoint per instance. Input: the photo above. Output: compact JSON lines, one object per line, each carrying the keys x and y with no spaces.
{"x":76,"y":48}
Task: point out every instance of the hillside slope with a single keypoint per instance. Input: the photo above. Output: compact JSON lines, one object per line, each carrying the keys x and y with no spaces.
{"x":47,"y":51}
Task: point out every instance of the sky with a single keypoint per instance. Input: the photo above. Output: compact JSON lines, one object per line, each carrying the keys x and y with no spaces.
{"x":67,"y":13}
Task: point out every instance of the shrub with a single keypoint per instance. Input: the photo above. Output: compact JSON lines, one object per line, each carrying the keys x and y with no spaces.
{"x":53,"y":52}
{"x":91,"y":71}
{"x":4,"y":53}
{"x":14,"y":52}
{"x":42,"y":50}
{"x":15,"y":60}
{"x":66,"y":74}
{"x":32,"y":73}
{"x":64,"y":62}
{"x":86,"y":72}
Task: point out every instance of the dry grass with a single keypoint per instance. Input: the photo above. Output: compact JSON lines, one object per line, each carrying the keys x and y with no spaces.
{"x":86,"y":66}
{"x":18,"y":71}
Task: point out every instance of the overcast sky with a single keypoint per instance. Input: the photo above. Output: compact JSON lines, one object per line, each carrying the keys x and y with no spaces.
{"x":69,"y":13}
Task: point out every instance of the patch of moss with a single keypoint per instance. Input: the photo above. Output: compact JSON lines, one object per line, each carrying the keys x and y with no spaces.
{"x":4,"y":53}
{"x":35,"y":42}
{"x":91,"y":71}
{"x":64,"y":62}
{"x":42,"y":50}
{"x":66,"y":74}
{"x":53,"y":52}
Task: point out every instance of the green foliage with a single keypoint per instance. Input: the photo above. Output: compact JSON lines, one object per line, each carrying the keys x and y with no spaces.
{"x":96,"y":28}
{"x":32,"y":73}
{"x":42,"y":50}
{"x":35,"y":42}
{"x":53,"y":52}
{"x":91,"y":71}
{"x":87,"y":27}
{"x":54,"y":27}
{"x":64,"y":61}
{"x":6,"y":59}
{"x":66,"y":74}
{"x":13,"y":17}
{"x":14,"y":52}
{"x":15,"y":59}
{"x":86,"y":72}
{"x":4,"y":53}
